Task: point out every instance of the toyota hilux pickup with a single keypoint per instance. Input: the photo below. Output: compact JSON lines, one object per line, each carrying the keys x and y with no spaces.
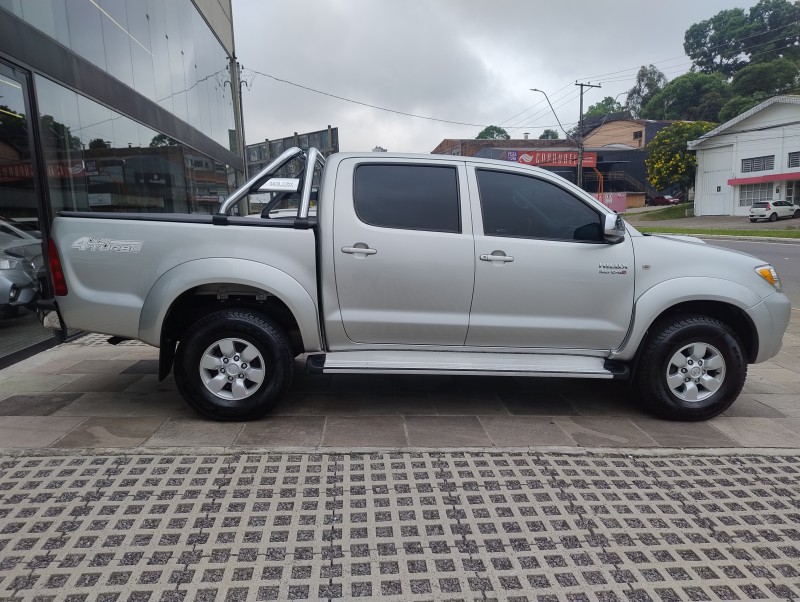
{"x":417,"y":264}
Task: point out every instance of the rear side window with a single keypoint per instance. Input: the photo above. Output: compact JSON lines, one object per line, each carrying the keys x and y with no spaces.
{"x":520,"y":206}
{"x":760,"y":205}
{"x":410,"y":197}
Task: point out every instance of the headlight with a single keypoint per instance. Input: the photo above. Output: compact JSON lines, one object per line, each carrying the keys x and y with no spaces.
{"x":768,"y":273}
{"x":6,"y":263}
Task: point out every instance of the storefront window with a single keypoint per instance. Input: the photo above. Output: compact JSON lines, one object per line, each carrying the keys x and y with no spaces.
{"x":163,"y":49}
{"x":99,"y":160}
{"x":23,"y":278}
{"x":754,"y":193}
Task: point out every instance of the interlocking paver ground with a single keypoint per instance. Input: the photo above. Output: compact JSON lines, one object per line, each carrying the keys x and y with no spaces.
{"x":259,"y":525}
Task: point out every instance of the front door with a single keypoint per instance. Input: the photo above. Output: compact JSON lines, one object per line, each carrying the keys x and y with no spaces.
{"x":403,"y":251}
{"x":544,"y":277}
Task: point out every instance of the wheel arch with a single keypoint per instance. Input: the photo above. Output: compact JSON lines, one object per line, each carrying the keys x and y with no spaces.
{"x":188,"y":291}
{"x":721,"y":299}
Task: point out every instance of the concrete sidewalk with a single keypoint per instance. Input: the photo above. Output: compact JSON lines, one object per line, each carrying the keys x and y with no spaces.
{"x":89,"y":394}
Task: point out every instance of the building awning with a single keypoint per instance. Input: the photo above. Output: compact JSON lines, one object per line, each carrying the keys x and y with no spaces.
{"x":775,"y":177}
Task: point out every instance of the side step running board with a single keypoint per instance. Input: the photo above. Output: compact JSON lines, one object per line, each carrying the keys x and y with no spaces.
{"x":456,"y":362}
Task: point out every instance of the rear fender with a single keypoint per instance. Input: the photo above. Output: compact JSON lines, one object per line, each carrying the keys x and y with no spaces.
{"x":195,"y":273}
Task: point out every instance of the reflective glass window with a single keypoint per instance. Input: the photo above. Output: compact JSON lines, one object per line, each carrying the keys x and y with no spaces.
{"x":411,"y":197}
{"x":519,"y":206}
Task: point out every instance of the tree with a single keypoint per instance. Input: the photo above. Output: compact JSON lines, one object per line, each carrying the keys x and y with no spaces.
{"x":692,"y":96}
{"x":766,"y":79}
{"x":96,"y":143}
{"x":736,"y":106}
{"x":605,"y":107}
{"x":716,"y":44}
{"x":670,"y":162}
{"x":649,"y":82}
{"x":162,"y":140}
{"x":549,"y":135}
{"x":774,"y":31}
{"x":493,"y":132}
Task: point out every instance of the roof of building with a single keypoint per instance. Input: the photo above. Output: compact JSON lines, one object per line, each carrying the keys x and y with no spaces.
{"x":786,"y":99}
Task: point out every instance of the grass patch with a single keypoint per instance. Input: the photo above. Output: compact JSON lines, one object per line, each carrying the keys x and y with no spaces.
{"x":671,"y":212}
{"x":695,"y":231}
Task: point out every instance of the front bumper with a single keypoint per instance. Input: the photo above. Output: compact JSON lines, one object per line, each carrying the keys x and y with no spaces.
{"x":24,"y":287}
{"x":771,"y":319}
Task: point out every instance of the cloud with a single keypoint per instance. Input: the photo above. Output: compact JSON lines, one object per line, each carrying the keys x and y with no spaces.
{"x":461,"y":60}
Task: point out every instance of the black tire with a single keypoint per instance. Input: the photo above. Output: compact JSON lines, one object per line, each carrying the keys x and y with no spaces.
{"x":796,"y":214}
{"x":669,"y":337}
{"x":242,"y":331}
{"x":753,"y":220}
{"x":773,"y":217}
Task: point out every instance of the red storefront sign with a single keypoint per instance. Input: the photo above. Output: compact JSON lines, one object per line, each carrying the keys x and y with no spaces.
{"x":552,"y":158}
{"x":24,"y":171}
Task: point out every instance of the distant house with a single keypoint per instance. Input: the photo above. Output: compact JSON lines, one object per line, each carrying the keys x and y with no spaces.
{"x":620,"y":131}
{"x":753,"y":157}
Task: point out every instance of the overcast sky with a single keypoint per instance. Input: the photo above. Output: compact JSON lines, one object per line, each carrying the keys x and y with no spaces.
{"x":459,"y":60}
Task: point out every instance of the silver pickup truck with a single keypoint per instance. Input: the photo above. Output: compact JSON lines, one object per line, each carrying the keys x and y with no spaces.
{"x":418,"y":264}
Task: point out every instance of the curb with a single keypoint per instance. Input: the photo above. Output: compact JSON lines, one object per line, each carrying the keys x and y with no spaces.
{"x":775,"y":239}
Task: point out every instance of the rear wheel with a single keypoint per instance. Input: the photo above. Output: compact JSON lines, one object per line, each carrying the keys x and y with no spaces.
{"x":691,"y":368}
{"x":773,"y":217}
{"x":233,"y":365}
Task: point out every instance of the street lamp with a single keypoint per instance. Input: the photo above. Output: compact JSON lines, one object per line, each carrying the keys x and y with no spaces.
{"x":579,"y":173}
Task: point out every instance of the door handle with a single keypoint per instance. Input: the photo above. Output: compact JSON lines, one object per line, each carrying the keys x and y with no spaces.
{"x":361,"y":250}
{"x":500,"y":258}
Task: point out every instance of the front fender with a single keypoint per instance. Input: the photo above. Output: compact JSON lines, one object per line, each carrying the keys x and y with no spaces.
{"x":659,"y":298}
{"x":191,"y":274}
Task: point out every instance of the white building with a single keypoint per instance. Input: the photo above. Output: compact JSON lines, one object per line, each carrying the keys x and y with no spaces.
{"x":753,"y":157}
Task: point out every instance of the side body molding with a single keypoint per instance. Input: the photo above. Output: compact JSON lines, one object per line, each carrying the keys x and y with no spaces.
{"x":668,"y":293}
{"x":194,"y":273}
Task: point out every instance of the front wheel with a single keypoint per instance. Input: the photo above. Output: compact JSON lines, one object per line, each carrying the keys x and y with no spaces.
{"x":796,"y":214}
{"x":753,"y":220}
{"x":233,"y":365}
{"x":691,"y":368}
{"x":773,"y":217}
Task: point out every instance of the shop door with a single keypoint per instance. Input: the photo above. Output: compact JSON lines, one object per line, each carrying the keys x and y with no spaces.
{"x":22,"y":269}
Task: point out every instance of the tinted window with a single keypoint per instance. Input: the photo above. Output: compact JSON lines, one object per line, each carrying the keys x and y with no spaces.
{"x":412,"y":197}
{"x":760,"y":205}
{"x":524,"y":207}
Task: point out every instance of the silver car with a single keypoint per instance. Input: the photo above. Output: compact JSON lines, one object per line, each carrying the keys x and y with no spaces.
{"x":21,"y":267}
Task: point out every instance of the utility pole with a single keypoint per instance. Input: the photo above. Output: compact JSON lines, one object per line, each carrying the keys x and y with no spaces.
{"x":579,"y":179}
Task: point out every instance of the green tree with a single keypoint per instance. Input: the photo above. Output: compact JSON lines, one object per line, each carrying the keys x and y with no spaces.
{"x":96,"y":143}
{"x":669,"y":161}
{"x":56,"y":135}
{"x":649,"y":82}
{"x":774,"y":31}
{"x":766,"y":79}
{"x":690,"y":97}
{"x":493,"y":132}
{"x":716,"y":45}
{"x":605,"y":107}
{"x":162,"y":140}
{"x":549,"y":135}
{"x":736,"y":106}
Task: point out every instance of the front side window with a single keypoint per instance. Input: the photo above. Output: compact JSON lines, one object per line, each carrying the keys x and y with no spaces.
{"x":410,"y":197}
{"x":520,"y":206}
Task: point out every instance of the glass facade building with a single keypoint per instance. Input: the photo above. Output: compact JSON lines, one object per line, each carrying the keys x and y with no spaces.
{"x":107,"y":105}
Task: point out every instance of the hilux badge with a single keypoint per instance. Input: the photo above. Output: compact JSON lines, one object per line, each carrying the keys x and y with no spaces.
{"x":613,"y":268}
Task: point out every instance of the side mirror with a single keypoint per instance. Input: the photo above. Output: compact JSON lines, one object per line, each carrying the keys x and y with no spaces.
{"x":613,"y":229}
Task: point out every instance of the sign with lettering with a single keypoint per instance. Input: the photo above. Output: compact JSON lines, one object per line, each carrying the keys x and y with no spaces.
{"x":555,"y":158}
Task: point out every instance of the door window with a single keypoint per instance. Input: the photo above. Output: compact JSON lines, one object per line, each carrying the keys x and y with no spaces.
{"x":410,"y":197}
{"x":519,"y":206}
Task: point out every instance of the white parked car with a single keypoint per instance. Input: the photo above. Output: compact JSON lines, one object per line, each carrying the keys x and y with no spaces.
{"x":773,"y":210}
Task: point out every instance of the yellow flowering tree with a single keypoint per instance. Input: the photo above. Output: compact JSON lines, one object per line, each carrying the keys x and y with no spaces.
{"x":670,"y":162}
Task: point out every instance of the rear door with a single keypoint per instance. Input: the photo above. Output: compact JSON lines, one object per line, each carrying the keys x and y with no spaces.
{"x":403,"y":251}
{"x":544,"y":277}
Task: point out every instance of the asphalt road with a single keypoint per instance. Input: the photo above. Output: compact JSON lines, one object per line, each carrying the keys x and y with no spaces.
{"x":784,"y":257}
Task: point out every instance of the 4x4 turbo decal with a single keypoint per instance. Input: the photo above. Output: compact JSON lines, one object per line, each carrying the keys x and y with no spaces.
{"x":106,"y":244}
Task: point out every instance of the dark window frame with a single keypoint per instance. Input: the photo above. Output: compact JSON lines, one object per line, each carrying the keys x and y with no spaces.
{"x":761,"y":163}
{"x":600,"y":214}
{"x":793,"y":160}
{"x":454,"y":168}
